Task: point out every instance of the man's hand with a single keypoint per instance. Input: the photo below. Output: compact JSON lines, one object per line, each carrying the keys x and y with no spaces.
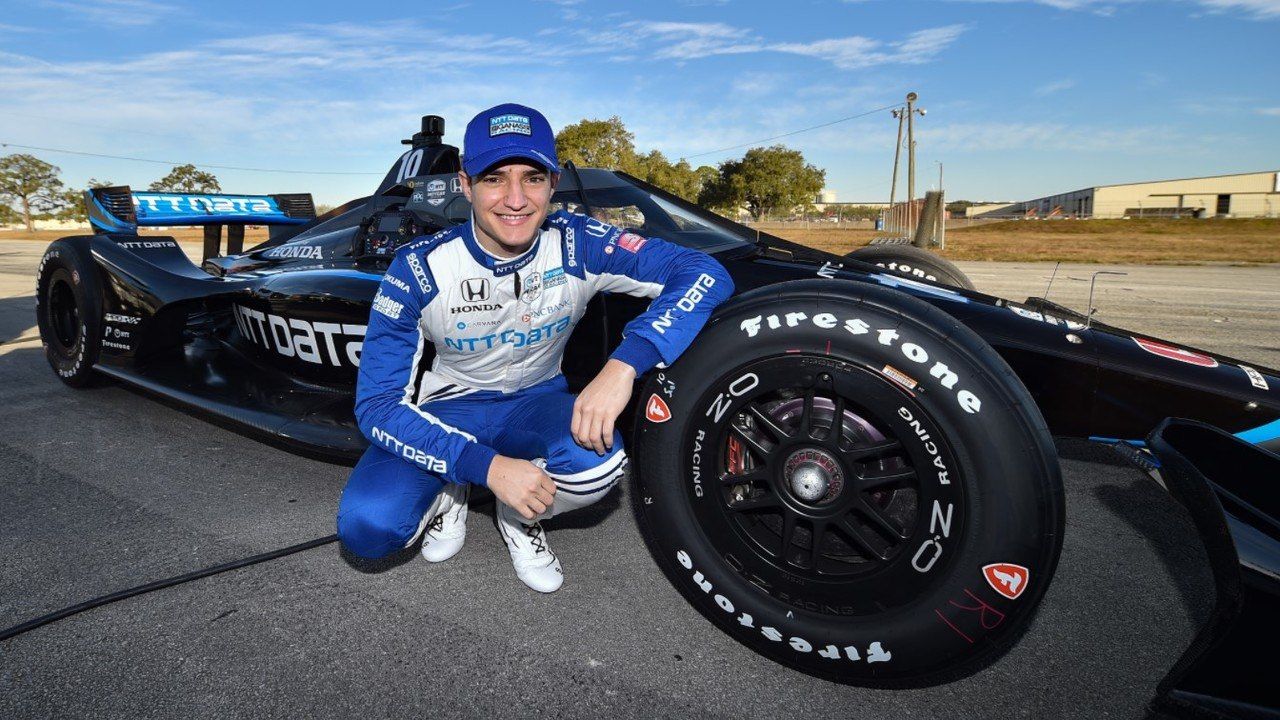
{"x":522,"y":485}
{"x":599,"y":404}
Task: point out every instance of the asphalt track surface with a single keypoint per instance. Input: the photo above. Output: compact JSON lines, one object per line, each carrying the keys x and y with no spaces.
{"x":104,"y":489}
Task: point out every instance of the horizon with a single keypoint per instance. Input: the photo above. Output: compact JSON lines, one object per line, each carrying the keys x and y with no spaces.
{"x":1025,"y":98}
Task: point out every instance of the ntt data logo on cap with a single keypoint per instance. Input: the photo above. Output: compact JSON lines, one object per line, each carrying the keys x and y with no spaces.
{"x":508,"y":131}
{"x":508,"y":124}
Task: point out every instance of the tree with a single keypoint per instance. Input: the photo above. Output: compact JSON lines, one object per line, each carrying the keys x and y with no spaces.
{"x":73,"y":202}
{"x":680,"y":179}
{"x":608,"y":144}
{"x":32,"y":183}
{"x":7,"y":215}
{"x":765,"y":180}
{"x":187,"y":179}
{"x":598,"y":143}
{"x":72,"y":207}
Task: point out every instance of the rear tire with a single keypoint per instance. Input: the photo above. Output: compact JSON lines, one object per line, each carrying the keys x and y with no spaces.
{"x":69,"y":311}
{"x":858,"y":553}
{"x":912,"y":262}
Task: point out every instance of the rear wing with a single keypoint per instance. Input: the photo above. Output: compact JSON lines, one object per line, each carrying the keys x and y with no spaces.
{"x":119,"y":210}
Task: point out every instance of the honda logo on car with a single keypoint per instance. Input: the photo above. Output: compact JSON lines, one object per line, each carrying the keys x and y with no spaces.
{"x":888,"y":337}
{"x":687,"y":303}
{"x":319,"y":342}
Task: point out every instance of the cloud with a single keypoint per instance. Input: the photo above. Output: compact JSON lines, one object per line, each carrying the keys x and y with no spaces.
{"x":1054,"y":87}
{"x":691,"y":41}
{"x":119,"y":13}
{"x":1253,"y":9}
{"x":1272,"y":111}
{"x":1259,"y":9}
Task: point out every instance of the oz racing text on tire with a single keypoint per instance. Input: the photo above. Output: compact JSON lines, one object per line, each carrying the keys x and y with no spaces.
{"x":865,"y":492}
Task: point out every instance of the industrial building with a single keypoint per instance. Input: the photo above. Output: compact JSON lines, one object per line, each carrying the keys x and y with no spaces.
{"x":1241,"y":195}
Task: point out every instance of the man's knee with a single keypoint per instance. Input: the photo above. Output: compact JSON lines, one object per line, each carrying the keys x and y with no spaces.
{"x":584,"y":487}
{"x":383,"y":504}
{"x":373,"y":534}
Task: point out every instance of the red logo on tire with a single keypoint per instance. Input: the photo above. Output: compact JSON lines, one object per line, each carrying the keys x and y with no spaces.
{"x":656,"y":409}
{"x":1176,"y":353}
{"x":1006,"y":578}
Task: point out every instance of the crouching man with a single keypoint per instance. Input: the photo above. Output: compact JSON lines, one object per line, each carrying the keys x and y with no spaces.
{"x":497,"y":298}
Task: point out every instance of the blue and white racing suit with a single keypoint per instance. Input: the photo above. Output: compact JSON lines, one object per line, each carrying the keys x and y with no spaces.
{"x":499,"y":327}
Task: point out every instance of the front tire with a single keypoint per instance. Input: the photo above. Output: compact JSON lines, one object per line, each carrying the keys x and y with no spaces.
{"x":836,"y":495}
{"x":69,"y":311}
{"x":912,"y":262}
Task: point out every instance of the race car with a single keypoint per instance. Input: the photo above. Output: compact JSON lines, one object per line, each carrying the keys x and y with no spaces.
{"x":851,"y":471}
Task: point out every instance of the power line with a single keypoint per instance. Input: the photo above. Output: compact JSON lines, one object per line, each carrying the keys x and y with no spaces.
{"x":796,"y":132}
{"x":170,"y":162}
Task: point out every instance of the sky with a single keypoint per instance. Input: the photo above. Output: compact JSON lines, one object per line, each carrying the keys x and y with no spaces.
{"x":1023,"y":97}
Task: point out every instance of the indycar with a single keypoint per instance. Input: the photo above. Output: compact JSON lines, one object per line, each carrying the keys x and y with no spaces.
{"x":851,"y":471}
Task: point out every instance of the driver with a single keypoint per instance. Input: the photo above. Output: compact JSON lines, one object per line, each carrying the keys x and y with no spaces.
{"x":496,"y":298}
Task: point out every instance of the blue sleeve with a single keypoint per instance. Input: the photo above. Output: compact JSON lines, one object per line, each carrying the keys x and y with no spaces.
{"x":686,"y":286}
{"x":386,"y":412}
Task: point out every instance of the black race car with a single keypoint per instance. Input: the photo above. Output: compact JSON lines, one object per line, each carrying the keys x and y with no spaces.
{"x":851,"y":471}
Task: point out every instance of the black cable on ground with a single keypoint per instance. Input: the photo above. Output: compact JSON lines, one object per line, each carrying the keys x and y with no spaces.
{"x":160,"y":584}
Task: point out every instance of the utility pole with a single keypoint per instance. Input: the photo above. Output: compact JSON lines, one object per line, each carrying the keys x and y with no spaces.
{"x":897,"y":153}
{"x":911,"y":157}
{"x":911,"y":148}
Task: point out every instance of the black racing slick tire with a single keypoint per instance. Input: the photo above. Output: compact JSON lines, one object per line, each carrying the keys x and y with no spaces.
{"x":912,"y":262}
{"x":69,"y":311}
{"x":850,"y":482}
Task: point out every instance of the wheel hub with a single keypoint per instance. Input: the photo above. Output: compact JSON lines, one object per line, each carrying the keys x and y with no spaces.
{"x":813,"y":475}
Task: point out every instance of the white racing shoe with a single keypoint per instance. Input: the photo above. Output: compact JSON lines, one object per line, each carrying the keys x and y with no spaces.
{"x":535,"y":564}
{"x":446,"y":530}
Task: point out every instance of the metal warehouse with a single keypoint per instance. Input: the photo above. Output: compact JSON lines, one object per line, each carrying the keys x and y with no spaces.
{"x":1240,"y":195}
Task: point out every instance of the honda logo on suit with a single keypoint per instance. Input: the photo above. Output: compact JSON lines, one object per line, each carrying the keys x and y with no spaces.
{"x":475,"y":289}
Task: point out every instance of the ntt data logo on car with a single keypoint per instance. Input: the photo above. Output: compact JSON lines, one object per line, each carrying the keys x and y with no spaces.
{"x":320,"y":343}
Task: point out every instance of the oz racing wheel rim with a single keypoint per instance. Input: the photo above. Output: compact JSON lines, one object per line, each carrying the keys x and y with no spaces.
{"x":826,"y":484}
{"x":64,"y":316}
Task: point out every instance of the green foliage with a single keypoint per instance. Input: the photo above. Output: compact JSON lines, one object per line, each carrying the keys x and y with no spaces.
{"x":598,"y":143}
{"x":187,"y":179}
{"x":73,"y":202}
{"x":765,"y":181}
{"x":956,"y":207}
{"x":7,"y":215}
{"x":608,"y":144}
{"x":72,"y":207}
{"x":31,"y":183}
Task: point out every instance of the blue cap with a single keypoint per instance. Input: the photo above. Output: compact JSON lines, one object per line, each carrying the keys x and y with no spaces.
{"x":508,"y":131}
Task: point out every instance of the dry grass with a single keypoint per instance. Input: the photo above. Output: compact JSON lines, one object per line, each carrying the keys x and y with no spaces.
{"x":1147,"y":241}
